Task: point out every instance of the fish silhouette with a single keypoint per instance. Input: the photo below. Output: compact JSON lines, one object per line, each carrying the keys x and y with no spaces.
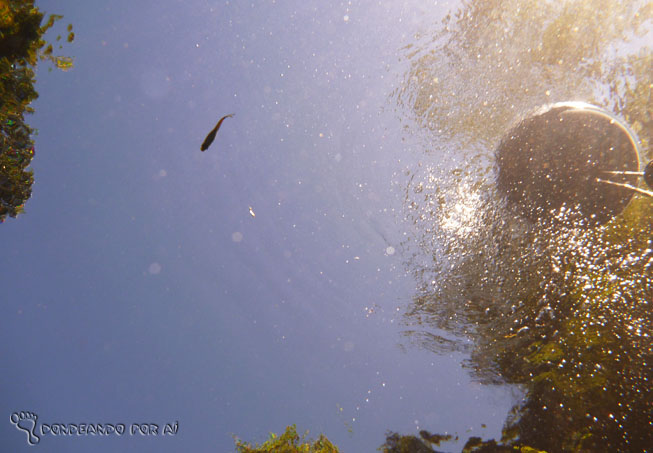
{"x":209,"y":138}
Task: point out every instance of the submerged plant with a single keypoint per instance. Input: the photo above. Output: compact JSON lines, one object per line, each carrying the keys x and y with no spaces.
{"x":288,"y":442}
{"x":21,"y":47}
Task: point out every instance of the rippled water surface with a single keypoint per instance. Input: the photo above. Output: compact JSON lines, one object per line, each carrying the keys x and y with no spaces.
{"x":341,"y":257}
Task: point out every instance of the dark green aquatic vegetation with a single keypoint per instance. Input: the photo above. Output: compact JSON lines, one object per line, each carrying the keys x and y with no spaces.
{"x":396,"y":443}
{"x":21,"y":48}
{"x":288,"y":442}
{"x":434,"y":439}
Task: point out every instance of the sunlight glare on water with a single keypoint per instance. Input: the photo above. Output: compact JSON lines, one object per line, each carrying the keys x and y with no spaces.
{"x":557,"y":304}
{"x":461,"y":218}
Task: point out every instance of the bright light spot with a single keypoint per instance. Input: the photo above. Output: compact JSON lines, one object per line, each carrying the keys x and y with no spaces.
{"x":346,"y":18}
{"x":390,"y":250}
{"x":461,"y":218}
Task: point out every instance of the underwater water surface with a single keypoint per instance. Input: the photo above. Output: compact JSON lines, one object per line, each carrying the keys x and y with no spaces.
{"x":339,"y":257}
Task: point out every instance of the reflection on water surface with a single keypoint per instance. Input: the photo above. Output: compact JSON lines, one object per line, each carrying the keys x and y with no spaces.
{"x":242,"y":289}
{"x":559,"y":308}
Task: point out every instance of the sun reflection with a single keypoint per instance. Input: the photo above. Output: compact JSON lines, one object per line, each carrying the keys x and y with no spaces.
{"x":460,"y":217}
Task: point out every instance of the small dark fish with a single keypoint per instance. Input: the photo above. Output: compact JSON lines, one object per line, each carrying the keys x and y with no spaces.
{"x":209,"y":138}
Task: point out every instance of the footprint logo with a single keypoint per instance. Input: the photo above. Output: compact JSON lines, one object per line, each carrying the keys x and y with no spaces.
{"x":26,"y":421}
